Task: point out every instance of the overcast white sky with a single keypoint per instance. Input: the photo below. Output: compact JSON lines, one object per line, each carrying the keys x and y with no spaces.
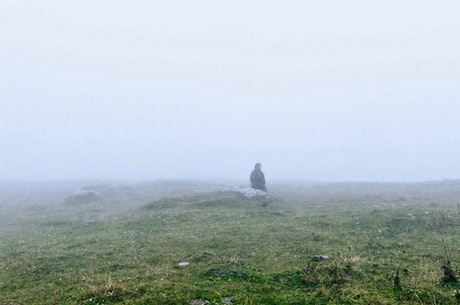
{"x":314,"y":90}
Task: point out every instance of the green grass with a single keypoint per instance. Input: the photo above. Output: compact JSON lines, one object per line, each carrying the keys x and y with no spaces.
{"x":258,"y":251}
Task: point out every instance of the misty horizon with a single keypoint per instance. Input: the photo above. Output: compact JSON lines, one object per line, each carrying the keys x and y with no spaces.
{"x":315,"y":92}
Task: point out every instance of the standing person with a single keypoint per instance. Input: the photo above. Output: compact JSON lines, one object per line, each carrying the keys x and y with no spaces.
{"x":258,"y":178}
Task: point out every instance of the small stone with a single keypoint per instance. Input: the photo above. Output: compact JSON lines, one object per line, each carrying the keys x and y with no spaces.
{"x":320,"y":257}
{"x":183,"y":264}
{"x":228,"y":300}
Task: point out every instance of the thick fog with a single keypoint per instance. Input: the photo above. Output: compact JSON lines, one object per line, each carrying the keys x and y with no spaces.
{"x":317,"y":91}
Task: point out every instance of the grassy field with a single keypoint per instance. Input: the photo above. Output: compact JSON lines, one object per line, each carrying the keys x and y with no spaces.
{"x":186,"y":243}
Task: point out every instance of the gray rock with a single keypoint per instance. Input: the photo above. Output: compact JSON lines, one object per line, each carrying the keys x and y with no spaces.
{"x":83,"y":196}
{"x":228,"y":300}
{"x":320,"y":257}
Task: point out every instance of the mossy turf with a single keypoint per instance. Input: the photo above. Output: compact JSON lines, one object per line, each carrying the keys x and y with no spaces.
{"x":248,"y":251}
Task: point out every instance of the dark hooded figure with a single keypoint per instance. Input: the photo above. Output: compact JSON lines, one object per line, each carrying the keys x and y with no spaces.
{"x":258,"y":178}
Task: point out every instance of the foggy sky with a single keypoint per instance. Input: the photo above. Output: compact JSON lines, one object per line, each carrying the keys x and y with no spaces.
{"x":324,"y":90}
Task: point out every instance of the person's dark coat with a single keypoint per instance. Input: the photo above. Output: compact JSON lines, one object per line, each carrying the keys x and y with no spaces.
{"x":257,"y":178}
